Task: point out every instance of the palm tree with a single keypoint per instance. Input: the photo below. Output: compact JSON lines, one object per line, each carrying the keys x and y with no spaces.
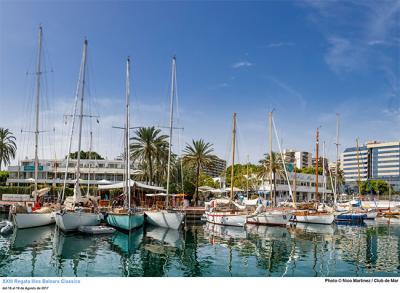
{"x":146,"y":147}
{"x":7,"y":146}
{"x":275,"y":169}
{"x":199,"y":156}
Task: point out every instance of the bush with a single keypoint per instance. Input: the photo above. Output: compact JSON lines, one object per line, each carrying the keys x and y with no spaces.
{"x":3,"y":177}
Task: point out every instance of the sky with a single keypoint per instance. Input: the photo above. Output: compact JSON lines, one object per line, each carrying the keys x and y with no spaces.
{"x":306,"y":60}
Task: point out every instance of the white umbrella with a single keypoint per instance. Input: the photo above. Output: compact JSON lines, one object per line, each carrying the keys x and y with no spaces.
{"x":104,"y":181}
{"x":205,"y":188}
{"x":235,"y":189}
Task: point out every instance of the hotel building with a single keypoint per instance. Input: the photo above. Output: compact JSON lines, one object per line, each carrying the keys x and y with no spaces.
{"x":375,"y":161}
{"x":53,"y":171}
{"x":217,"y":169}
{"x":302,"y":159}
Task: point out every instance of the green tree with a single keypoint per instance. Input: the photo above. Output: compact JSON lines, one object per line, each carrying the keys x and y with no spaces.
{"x":8,"y":147}
{"x":206,"y":180}
{"x":375,"y":186}
{"x":240,"y":176}
{"x":271,"y":165}
{"x":310,"y":170}
{"x":183,"y":178}
{"x":149,"y":148}
{"x":86,"y":155}
{"x":199,"y":156}
{"x":3,"y":176}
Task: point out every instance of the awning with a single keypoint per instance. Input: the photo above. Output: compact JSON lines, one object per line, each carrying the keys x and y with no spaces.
{"x":103,"y":181}
{"x":205,"y":188}
{"x":164,"y":194}
{"x":121,"y":185}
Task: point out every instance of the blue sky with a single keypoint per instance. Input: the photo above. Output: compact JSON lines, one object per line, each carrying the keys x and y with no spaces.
{"x":307,"y":59}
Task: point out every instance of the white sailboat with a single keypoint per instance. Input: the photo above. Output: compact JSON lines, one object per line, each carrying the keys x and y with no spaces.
{"x":43,"y":216}
{"x":168,"y":218}
{"x":228,"y":213}
{"x":126,"y":218}
{"x":73,"y":215}
{"x":274,"y":216}
{"x":314,"y":216}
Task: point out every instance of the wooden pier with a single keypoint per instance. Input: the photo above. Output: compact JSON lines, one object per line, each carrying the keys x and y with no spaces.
{"x":193,"y":215}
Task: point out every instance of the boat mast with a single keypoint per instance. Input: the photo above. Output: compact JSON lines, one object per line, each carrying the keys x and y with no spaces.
{"x":358,"y":167}
{"x":171,"y":119}
{"x":90,"y":164}
{"x":38,"y":74}
{"x":127,"y":125}
{"x":233,"y":152}
{"x":77,"y":192}
{"x":295,"y":181}
{"x":323,"y":171}
{"x":337,"y":155}
{"x":270,"y":159}
{"x":316,"y":165}
{"x":247,"y":181}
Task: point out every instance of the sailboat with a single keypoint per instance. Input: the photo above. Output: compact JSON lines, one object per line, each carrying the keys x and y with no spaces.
{"x":39,"y":216}
{"x":314,"y":216}
{"x":75,"y":212}
{"x":278,"y":216}
{"x":168,"y":217}
{"x":353,"y":211}
{"x":227,"y":212}
{"x":126,"y":218}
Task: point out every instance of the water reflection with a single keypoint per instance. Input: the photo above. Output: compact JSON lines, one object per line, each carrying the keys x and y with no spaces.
{"x":206,"y":250}
{"x":33,"y":238}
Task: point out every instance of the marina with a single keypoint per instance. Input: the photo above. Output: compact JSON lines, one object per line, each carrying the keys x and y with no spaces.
{"x":301,"y":250}
{"x":228,"y":146}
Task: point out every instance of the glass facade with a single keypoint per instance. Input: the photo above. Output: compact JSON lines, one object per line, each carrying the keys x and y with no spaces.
{"x":377,"y":161}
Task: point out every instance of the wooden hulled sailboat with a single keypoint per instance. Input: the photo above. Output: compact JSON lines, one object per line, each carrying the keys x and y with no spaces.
{"x":314,"y":216}
{"x":125,"y":217}
{"x":168,"y":217}
{"x":227,"y":213}
{"x":38,"y":216}
{"x":274,"y":216}
{"x":78,"y":210}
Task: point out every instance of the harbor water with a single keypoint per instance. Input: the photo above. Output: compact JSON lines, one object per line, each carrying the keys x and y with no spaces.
{"x":205,"y":250}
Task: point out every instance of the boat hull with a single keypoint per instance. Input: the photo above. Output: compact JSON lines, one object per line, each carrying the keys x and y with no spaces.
{"x":71,"y":221}
{"x":351,"y":217}
{"x":31,"y":220}
{"x":326,"y":219}
{"x":226,"y":219}
{"x":273,"y":218}
{"x":126,"y":221}
{"x":371,"y":215}
{"x":166,"y":219}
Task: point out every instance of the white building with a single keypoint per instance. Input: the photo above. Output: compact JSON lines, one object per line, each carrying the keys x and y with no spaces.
{"x":301,"y":158}
{"x":53,"y":171}
{"x":305,"y":187}
{"x":355,"y":164}
{"x":373,"y":161}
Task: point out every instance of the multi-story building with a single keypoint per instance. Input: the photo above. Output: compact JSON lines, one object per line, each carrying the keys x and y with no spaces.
{"x":305,"y":187}
{"x":355,"y":164}
{"x":217,"y":169}
{"x":300,"y":158}
{"x":321,"y":162}
{"x":374,"y":160}
{"x":53,"y":171}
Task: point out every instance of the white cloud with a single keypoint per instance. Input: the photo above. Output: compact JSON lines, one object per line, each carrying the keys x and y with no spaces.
{"x":279,"y":44}
{"x":288,"y":89}
{"x":243,"y":63}
{"x":344,"y":55}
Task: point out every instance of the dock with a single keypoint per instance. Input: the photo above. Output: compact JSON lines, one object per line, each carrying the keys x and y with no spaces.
{"x":193,"y":215}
